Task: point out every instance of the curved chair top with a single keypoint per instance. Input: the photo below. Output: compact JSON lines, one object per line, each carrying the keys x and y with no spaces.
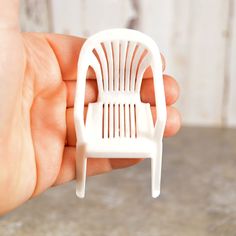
{"x":121,"y":34}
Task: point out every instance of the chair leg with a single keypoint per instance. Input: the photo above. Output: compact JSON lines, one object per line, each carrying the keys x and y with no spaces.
{"x":156,"y":164}
{"x":81,"y":169}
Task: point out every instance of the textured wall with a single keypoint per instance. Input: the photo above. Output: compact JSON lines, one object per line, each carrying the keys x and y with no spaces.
{"x":35,"y":15}
{"x":198,"y":38}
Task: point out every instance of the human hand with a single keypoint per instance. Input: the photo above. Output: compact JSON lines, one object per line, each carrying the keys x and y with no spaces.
{"x":37,"y":136}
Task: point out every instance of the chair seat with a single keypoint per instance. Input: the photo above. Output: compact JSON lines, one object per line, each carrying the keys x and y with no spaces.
{"x":123,"y":142}
{"x":121,"y":148}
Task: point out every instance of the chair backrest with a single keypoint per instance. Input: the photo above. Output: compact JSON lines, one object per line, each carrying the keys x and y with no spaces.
{"x":119,"y":58}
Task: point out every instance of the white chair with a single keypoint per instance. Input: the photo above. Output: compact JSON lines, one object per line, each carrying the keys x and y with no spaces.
{"x":119,"y":125}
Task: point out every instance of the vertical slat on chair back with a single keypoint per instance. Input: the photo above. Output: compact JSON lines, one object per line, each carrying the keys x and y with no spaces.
{"x":120,"y":65}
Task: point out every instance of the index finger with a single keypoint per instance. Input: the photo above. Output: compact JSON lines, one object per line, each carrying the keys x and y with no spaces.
{"x":67,"y":50}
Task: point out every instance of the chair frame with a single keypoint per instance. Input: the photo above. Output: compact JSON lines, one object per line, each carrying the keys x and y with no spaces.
{"x":84,"y":62}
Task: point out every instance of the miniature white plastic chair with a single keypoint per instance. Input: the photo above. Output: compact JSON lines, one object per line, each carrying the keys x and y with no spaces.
{"x":119,"y":125}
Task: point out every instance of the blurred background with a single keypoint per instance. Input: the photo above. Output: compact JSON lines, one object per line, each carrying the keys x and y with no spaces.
{"x":198,"y":195}
{"x":198,"y":39}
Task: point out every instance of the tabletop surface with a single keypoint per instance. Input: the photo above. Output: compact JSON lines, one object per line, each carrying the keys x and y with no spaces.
{"x":198,"y":196}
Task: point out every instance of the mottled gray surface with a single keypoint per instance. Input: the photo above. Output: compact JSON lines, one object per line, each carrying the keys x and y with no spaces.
{"x":198,"y":196}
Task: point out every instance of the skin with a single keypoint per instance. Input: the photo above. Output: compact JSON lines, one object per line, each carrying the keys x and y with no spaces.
{"x":37,"y":136}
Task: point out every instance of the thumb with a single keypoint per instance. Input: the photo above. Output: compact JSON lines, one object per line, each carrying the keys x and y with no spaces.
{"x":9,"y":14}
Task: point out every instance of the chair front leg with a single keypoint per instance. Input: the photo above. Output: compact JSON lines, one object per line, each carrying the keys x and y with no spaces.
{"x":156,"y":163}
{"x":81,"y":170}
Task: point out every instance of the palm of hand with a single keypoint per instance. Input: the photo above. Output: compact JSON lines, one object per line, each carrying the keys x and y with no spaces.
{"x":38,"y":128}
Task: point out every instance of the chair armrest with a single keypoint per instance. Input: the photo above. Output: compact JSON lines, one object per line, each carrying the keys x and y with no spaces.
{"x":159,"y":97}
{"x":82,"y":69}
{"x":159,"y":129}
